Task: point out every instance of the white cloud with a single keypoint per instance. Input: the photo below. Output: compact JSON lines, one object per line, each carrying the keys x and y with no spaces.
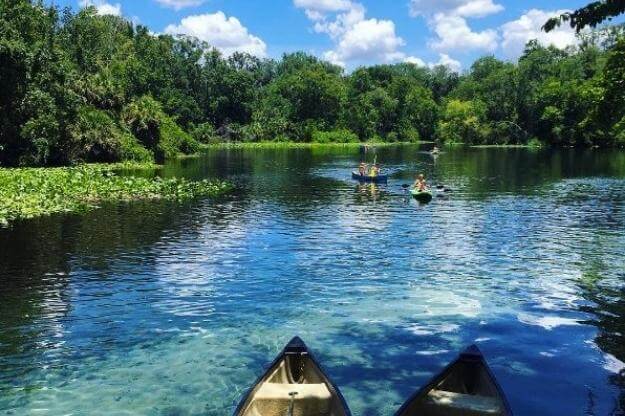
{"x":343,"y":22}
{"x":454,"y":34}
{"x":357,"y":40}
{"x":369,"y":40}
{"x":224,"y":33}
{"x":323,"y":5}
{"x":180,"y":4}
{"x":446,"y":60}
{"x":315,"y":15}
{"x":103,"y":7}
{"x":448,"y":20}
{"x":518,"y":32}
{"x":464,"y":8}
{"x":414,"y":60}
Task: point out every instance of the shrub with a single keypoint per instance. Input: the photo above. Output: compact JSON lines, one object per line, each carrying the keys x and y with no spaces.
{"x":232,"y":132}
{"x":463,"y":122}
{"x":131,"y":150}
{"x":156,"y":130}
{"x":204,"y":133}
{"x":174,"y":140}
{"x":42,"y":131}
{"x":282,"y":138}
{"x":97,"y":138}
{"x":409,"y":134}
{"x":334,"y":136}
{"x":143,"y":117}
{"x":618,"y":132}
{"x":534,"y":143}
{"x":252,"y":132}
{"x":392,"y":137}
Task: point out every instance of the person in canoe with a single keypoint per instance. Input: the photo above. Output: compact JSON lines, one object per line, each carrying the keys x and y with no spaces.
{"x":362,"y":169}
{"x":375,"y":170}
{"x":420,"y":184}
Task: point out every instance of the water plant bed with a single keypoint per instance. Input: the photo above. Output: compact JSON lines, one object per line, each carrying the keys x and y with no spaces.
{"x":33,"y":192}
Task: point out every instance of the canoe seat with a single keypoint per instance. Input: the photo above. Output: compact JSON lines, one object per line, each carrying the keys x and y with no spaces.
{"x":457,"y":404}
{"x":274,"y":399}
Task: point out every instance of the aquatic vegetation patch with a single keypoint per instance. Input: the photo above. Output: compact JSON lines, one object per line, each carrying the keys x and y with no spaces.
{"x":33,"y":192}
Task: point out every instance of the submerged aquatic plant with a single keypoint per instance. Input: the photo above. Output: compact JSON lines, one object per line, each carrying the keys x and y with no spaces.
{"x":34,"y":192}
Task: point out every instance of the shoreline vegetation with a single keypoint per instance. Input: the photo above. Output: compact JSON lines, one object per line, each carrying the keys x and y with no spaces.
{"x":306,"y":145}
{"x":31,"y":192}
{"x":79,"y":87}
{"x":27,"y":193}
{"x":303,"y":145}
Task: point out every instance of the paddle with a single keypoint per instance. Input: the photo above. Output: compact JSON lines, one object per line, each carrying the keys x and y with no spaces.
{"x":443,"y":188}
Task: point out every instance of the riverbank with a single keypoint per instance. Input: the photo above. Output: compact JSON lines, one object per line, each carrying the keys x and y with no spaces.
{"x":506,"y":146}
{"x":34,"y":192}
{"x":307,"y":145}
{"x":300,"y":145}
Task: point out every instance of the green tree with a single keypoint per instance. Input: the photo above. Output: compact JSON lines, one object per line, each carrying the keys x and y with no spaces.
{"x":612,"y":103}
{"x":590,"y":15}
{"x":84,"y":87}
{"x":463,"y":122}
{"x":157,"y":131}
{"x":311,"y":97}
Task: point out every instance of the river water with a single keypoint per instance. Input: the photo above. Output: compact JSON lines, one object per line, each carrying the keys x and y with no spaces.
{"x":174,"y":309}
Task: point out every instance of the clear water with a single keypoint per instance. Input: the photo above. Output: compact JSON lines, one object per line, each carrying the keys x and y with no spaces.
{"x":164,"y":309}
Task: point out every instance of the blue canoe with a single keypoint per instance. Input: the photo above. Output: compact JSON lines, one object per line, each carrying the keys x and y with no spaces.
{"x":369,"y":179}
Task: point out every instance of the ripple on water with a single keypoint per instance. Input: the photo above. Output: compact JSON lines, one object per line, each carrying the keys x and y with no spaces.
{"x":179,"y":314}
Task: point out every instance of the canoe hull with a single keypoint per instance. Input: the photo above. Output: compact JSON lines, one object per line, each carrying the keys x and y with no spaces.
{"x":369,"y":179}
{"x":294,"y":373}
{"x":467,"y":386}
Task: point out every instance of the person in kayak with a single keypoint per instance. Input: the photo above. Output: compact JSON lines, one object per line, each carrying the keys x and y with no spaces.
{"x":420,"y":184}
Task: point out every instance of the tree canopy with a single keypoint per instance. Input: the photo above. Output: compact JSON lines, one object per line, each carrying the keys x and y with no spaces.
{"x":84,"y":87}
{"x":591,"y":15}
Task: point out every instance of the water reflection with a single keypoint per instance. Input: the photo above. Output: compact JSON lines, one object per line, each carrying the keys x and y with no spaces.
{"x":159,"y":308}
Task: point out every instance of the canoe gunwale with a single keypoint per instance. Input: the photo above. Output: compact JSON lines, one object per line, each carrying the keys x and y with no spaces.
{"x":295,"y":346}
{"x":471,"y":354}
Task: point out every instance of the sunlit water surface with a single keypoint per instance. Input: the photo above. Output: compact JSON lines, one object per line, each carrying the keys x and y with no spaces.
{"x":165,"y":309}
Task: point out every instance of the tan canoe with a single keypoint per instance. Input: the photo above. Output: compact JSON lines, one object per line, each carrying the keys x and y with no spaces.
{"x":466,"y":387}
{"x":294,"y":385}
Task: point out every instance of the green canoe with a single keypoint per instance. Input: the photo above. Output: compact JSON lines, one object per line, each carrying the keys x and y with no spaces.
{"x":421,"y":196}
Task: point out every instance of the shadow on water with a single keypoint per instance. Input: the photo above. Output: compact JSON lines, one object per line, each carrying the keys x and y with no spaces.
{"x":607,"y":306}
{"x":386,"y":357}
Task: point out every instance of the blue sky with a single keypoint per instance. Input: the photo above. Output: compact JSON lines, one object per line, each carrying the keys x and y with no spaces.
{"x":352,"y":33}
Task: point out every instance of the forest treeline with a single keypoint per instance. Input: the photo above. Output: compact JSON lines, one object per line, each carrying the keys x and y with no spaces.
{"x":82,"y":87}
